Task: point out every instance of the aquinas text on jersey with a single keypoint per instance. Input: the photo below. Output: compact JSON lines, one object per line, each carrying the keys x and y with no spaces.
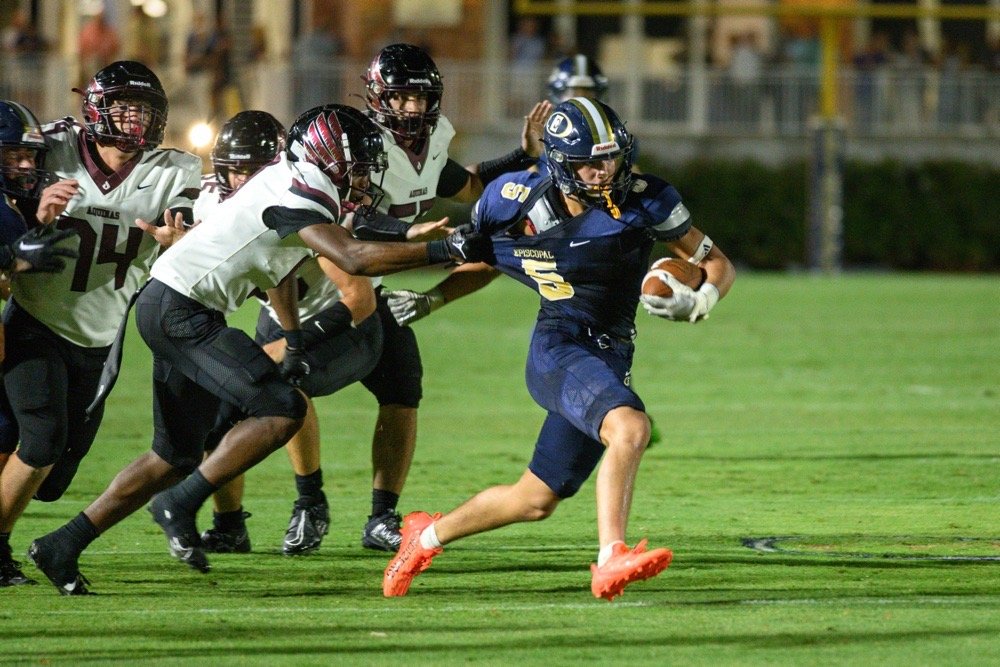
{"x":103,"y":213}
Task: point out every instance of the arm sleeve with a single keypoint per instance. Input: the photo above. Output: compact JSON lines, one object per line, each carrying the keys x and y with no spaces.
{"x":287,"y":221}
{"x":453,"y":178}
{"x":376,"y":226}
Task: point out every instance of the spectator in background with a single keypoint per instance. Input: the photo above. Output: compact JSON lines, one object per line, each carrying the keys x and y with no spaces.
{"x":952,"y":83}
{"x":869,"y":85}
{"x":798,"y":62}
{"x":746,"y":66}
{"x":908,"y":93}
{"x":143,"y":40}
{"x":313,"y":57}
{"x":99,"y":45}
{"x":209,"y":62}
{"x":527,"y":50}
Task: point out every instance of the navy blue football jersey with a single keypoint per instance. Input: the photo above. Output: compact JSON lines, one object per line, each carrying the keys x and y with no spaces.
{"x":586,"y":268}
{"x":12,"y":224}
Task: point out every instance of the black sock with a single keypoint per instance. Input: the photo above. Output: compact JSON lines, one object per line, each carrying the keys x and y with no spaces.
{"x":229,"y":521}
{"x":78,"y":533}
{"x":192,"y":492}
{"x":311,"y":486}
{"x":4,"y":542}
{"x":383,"y":501}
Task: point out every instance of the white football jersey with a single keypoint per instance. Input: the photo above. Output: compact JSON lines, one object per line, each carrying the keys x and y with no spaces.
{"x":410,"y":181}
{"x":233,"y":254}
{"x":86,"y":302}
{"x":316,"y":291}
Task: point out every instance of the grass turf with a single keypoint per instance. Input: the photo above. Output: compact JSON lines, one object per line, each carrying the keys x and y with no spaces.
{"x":855,"y":419}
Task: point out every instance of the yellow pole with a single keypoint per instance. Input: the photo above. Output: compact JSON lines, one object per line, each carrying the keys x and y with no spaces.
{"x":828,"y":74}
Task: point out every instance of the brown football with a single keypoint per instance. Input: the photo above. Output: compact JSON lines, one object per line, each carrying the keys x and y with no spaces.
{"x":690,"y":274}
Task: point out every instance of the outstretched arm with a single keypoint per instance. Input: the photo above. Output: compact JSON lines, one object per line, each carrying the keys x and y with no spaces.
{"x":367,"y":258}
{"x":408,"y":306}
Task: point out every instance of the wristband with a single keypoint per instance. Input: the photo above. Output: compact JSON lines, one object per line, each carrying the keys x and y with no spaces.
{"x":516,"y":160}
{"x":711,"y":293}
{"x":437,"y":252}
{"x":293,"y":338}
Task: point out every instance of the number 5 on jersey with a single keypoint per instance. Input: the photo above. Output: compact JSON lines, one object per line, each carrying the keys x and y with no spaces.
{"x":551,"y":285}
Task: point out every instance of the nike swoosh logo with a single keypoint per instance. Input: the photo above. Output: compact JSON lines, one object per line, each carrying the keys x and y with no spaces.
{"x":574,"y":244}
{"x":436,"y":155}
{"x":143,"y":187}
{"x":32,"y":246}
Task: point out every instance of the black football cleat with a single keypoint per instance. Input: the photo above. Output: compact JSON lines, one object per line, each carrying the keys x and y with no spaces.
{"x":10,"y":569}
{"x":59,"y":566}
{"x":229,"y":540}
{"x":182,"y":534}
{"x":382,"y":532}
{"x":309,"y":523}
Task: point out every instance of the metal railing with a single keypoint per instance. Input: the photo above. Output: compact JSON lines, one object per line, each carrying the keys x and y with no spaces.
{"x":888,"y":103}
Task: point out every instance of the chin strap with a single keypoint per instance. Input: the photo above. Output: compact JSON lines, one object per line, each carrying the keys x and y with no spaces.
{"x":612,"y":209}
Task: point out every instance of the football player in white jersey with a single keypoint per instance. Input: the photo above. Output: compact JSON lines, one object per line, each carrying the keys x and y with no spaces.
{"x":403,"y":96}
{"x":283,"y":215}
{"x":342,"y":342}
{"x":59,"y":326}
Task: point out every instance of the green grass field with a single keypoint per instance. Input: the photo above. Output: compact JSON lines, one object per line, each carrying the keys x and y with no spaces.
{"x":854,"y":419}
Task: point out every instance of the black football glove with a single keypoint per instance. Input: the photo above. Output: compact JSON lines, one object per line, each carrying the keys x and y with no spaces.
{"x":38,"y":248}
{"x":465,"y":244}
{"x":295,"y":366}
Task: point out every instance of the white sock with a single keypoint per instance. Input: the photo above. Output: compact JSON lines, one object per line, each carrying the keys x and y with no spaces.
{"x":429,"y":538}
{"x":605,"y":553}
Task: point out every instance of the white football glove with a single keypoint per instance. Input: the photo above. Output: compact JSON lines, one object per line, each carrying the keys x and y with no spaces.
{"x":408,"y":306}
{"x":684,"y":304}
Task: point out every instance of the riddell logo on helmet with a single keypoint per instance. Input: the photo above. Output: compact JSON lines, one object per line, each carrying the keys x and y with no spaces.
{"x":143,"y":84}
{"x":243,"y":156}
{"x":608,"y":147}
{"x":425,"y":82}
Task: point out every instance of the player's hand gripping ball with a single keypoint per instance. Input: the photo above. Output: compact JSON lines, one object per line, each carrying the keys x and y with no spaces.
{"x":655,"y":282}
{"x":671,"y":290}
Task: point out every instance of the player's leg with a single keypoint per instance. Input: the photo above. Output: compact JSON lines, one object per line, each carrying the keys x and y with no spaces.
{"x":397,"y":383}
{"x":228,"y":364}
{"x":563,"y":459}
{"x":584,"y":379}
{"x":228,"y":533}
{"x":36,"y":380}
{"x":187,"y":419}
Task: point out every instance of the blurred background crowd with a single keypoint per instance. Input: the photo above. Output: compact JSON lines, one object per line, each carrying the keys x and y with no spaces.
{"x":723,"y":85}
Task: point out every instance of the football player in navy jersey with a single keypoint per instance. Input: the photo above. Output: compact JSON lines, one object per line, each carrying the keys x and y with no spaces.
{"x":22,"y":156}
{"x":403,"y":91}
{"x":286,"y":213}
{"x":59,"y":326}
{"x":582,"y":240}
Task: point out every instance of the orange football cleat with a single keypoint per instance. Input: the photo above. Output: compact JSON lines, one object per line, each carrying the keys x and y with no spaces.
{"x":626,"y":566}
{"x":412,"y":559}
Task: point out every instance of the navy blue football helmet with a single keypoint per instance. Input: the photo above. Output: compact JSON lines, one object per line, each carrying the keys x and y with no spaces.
{"x":575,"y":73}
{"x":20,"y":131}
{"x":343,"y":142}
{"x":247,"y":141}
{"x":403,"y":68}
{"x":125,"y":80}
{"x":582,"y":130}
